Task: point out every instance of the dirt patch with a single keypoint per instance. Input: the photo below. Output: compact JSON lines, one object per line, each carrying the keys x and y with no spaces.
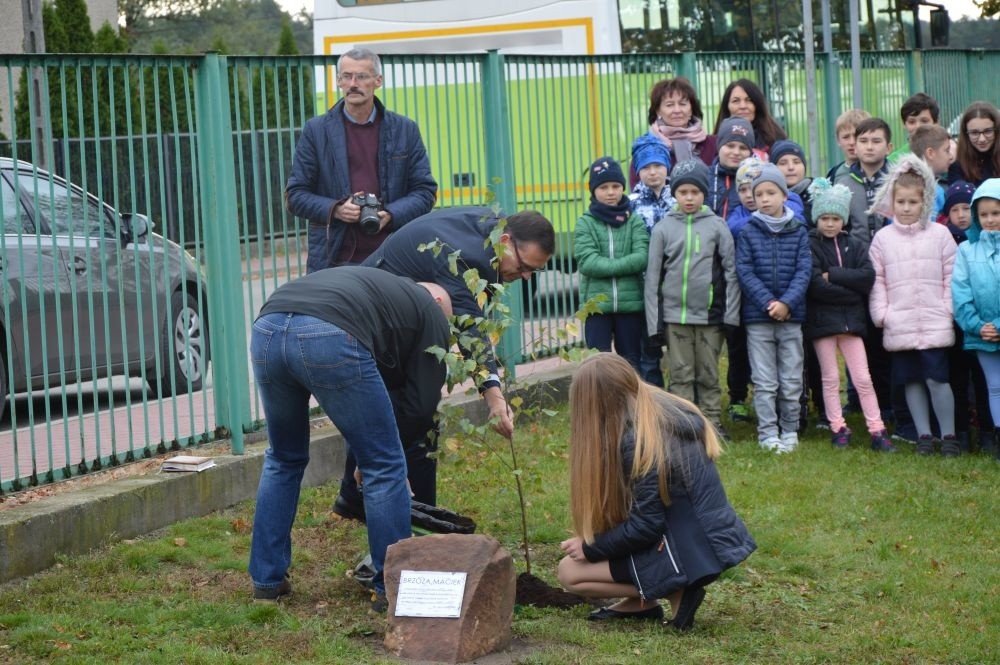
{"x":532,"y":590}
{"x":127,"y":470}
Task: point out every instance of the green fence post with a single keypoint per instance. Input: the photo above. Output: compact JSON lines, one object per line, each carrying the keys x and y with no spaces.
{"x":500,"y":176}
{"x":689,"y":67}
{"x":219,"y":217}
{"x":832,"y":103}
{"x":914,"y":72}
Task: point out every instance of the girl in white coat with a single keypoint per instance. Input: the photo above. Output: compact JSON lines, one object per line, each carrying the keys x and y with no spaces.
{"x":911,"y":298}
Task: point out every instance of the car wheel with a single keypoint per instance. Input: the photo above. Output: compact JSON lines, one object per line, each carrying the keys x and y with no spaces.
{"x":183,"y":349}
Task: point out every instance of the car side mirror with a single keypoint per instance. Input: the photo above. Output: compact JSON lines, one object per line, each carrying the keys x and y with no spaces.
{"x":135,"y":227}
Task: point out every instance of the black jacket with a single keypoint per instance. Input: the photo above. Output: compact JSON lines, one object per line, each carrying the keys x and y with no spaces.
{"x":694,"y":477}
{"x":840,"y":305}
{"x":459,"y":229}
{"x":392,"y":317}
{"x":464,"y":230}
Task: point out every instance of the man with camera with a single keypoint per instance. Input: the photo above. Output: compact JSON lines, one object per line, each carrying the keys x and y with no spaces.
{"x":360,"y":171}
{"x":357,"y":339}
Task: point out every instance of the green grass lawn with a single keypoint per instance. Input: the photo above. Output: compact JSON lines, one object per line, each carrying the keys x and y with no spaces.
{"x":862,"y":558}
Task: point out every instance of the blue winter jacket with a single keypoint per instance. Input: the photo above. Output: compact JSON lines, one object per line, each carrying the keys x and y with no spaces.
{"x":739,"y":216}
{"x":975,"y":292}
{"x":320,"y":178}
{"x":773,"y":266}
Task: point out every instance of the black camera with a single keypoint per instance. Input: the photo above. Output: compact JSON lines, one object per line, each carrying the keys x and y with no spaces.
{"x":370,"y":205}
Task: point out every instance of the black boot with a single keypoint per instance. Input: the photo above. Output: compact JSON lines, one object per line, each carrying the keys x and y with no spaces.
{"x":987,"y":440}
{"x":963,"y":442}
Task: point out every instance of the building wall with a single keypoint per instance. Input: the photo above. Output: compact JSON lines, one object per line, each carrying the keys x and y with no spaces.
{"x":12,"y":39}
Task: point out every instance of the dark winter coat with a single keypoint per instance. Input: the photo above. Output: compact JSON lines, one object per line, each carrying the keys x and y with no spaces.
{"x":321,"y":178}
{"x":698,"y":503}
{"x":773,"y":266}
{"x":838,"y":306}
{"x":723,"y":194}
{"x":464,"y":230}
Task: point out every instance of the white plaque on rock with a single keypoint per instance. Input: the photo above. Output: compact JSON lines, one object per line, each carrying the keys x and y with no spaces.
{"x":430,"y":593}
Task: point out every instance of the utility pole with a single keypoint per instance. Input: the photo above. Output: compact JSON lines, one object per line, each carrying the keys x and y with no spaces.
{"x":34,"y":42}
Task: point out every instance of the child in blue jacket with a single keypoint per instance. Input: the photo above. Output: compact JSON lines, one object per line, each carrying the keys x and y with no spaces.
{"x":774,"y":266}
{"x":976,"y":296}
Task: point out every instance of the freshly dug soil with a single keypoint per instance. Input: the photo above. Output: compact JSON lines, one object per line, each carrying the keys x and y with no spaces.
{"x":534,"y":591}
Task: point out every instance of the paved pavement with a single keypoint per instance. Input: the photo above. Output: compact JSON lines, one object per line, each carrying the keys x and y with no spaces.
{"x":42,"y":435}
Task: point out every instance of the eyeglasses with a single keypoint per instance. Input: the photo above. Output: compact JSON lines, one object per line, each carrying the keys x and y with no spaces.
{"x":360,"y":78}
{"x":976,"y":134}
{"x":521,"y":265}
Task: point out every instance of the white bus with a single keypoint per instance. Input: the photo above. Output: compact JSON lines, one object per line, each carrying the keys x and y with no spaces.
{"x":531,"y":27}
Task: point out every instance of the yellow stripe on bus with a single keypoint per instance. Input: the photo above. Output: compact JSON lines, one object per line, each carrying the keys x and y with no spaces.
{"x":586,"y":23}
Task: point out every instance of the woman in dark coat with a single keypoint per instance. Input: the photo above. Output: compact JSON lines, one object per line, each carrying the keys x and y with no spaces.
{"x":651,"y":516}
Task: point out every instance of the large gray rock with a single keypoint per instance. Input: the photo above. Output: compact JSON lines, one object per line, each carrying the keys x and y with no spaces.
{"x":487,"y":606}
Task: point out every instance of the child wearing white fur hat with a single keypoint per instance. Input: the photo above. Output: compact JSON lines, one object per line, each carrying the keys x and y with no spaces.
{"x":911,"y":298}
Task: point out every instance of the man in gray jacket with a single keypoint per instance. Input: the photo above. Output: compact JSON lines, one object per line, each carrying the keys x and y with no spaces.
{"x":357,"y":147}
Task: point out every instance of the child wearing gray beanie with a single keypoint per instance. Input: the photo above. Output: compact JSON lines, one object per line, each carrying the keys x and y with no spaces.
{"x":774,"y":266}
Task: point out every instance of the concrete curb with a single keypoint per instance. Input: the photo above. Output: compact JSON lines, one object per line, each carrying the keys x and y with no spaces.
{"x":33,"y":535}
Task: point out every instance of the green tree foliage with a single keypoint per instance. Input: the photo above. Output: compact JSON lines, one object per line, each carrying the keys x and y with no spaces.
{"x":279,"y":93}
{"x":988,"y":7}
{"x":167,"y":106}
{"x":286,"y":40}
{"x":192,"y":26}
{"x":82,"y":101}
{"x":75,"y":22}
{"x":55,"y":42}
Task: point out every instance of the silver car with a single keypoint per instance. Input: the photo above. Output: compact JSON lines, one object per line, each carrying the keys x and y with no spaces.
{"x":88,"y":292}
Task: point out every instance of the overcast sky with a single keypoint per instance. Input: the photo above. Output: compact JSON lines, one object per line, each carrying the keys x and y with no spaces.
{"x":956,"y":8}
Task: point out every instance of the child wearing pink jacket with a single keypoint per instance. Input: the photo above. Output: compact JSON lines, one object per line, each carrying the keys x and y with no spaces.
{"x":911,"y":298}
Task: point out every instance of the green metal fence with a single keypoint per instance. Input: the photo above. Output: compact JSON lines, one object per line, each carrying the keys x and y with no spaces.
{"x":201,"y":147}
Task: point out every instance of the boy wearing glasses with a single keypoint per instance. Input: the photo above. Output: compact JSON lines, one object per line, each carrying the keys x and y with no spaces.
{"x":357,"y":147}
{"x":611,"y":247}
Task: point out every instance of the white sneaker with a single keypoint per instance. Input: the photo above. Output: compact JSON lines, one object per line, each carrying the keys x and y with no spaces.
{"x":771,"y":443}
{"x":788,"y":442}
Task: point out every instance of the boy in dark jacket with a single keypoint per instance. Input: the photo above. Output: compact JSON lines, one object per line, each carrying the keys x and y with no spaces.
{"x":790,"y":159}
{"x":773,"y":264}
{"x":735,"y":141}
{"x":837,"y":311}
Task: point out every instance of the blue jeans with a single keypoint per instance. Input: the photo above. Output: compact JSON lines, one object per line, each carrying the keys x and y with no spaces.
{"x":296,"y":356}
{"x":776,"y":351}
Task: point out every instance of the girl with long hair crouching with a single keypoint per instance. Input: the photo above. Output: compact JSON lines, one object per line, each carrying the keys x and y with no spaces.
{"x":650,"y":514}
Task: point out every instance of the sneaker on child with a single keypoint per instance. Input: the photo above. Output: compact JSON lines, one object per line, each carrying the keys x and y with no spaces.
{"x":771,"y":443}
{"x":841,"y":438}
{"x":881,"y":443}
{"x":788,"y":442}
{"x":739,"y":413}
{"x":950,"y":447}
